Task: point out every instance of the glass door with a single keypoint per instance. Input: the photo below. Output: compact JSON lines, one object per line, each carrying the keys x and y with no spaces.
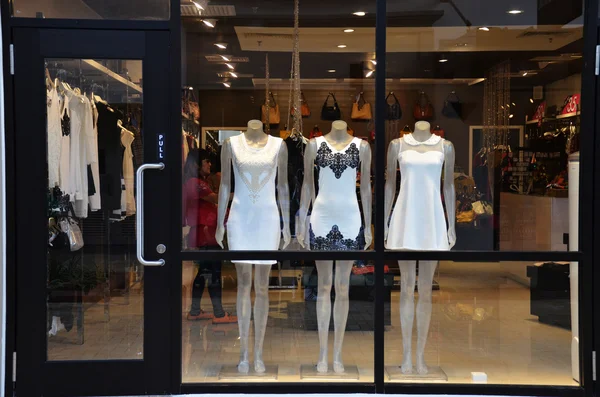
{"x":91,"y":120}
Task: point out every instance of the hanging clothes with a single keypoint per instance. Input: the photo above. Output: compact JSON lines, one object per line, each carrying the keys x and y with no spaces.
{"x":110,"y":156}
{"x":127,"y":139}
{"x":54,"y":135}
{"x":65,"y":147}
{"x":95,"y":197}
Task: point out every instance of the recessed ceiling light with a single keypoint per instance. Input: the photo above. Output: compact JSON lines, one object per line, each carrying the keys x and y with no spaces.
{"x":442,"y":60}
{"x":331,"y":71}
{"x":374,"y":62}
{"x":511,"y":116}
{"x":230,"y":66}
{"x":515,"y":12}
{"x":359,"y":13}
{"x":198,"y":5}
{"x":348,"y":30}
{"x":513,"y":104}
{"x":370,"y":73}
{"x":484,"y":28}
{"x":209,"y":22}
{"x":227,"y":85}
{"x":221,"y":45}
{"x":232,"y":74}
{"x":524,"y":74}
{"x":225,"y":58}
{"x":342,"y":46}
{"x":531,"y":100}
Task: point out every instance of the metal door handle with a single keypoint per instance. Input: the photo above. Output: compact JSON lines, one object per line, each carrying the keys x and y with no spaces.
{"x":139,"y":218}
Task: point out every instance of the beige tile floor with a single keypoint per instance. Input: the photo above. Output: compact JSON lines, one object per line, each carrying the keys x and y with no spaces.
{"x":480,"y":322}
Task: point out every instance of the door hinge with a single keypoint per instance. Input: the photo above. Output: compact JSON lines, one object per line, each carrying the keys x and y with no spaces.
{"x":594,"y":365}
{"x":11,"y":49}
{"x":14,"y":368}
{"x":598,"y":60}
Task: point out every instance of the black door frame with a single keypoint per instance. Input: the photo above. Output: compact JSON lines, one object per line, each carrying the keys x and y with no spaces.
{"x":589,"y":227}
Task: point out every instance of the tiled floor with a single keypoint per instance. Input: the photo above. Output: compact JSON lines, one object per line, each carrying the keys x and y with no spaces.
{"x":480,"y":322}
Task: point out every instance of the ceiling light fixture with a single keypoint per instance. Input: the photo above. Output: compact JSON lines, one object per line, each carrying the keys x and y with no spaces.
{"x":531,"y":100}
{"x":331,"y":71}
{"x":374,"y":62}
{"x":232,"y":74}
{"x":230,"y":66}
{"x":443,"y":59}
{"x":515,"y":12}
{"x":511,"y":116}
{"x":209,"y":22}
{"x":227,"y":85}
{"x":348,"y":30}
{"x":370,"y":73}
{"x":225,"y":58}
{"x":342,"y":46}
{"x":359,"y":13}
{"x":221,"y":45}
{"x":524,"y":74}
{"x":484,"y":28}
{"x":198,"y":5}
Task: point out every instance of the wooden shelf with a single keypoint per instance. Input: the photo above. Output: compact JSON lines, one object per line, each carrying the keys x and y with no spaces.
{"x":567,"y":115}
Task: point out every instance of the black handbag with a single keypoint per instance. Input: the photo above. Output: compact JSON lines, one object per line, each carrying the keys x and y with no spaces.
{"x":331,"y":113}
{"x":394,"y":111}
{"x":452,"y":106}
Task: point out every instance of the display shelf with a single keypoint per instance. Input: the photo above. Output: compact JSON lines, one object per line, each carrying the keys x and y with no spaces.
{"x":567,"y":115}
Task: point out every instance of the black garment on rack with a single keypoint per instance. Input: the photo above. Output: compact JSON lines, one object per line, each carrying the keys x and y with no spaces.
{"x":295,"y":147}
{"x":110,"y":156}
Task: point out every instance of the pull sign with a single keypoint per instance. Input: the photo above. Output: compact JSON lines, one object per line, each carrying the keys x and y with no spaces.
{"x":161,"y":146}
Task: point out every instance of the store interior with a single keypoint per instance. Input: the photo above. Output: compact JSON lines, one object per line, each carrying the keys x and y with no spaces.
{"x":503,"y":87}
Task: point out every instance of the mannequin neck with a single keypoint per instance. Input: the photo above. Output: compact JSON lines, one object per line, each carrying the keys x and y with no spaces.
{"x":255,"y":131}
{"x":339,"y":132}
{"x":422,"y":131}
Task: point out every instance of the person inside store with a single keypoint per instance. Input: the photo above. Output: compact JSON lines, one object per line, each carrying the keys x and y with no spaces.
{"x":200,"y":214}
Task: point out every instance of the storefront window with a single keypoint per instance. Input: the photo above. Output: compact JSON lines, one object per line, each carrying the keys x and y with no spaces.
{"x":501,"y":86}
{"x":490,"y":322}
{"x":97,"y":9}
{"x":94,"y":144}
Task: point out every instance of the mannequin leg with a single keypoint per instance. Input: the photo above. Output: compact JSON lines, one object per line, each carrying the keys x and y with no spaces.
{"x":408,"y":270}
{"x":340,"y":311}
{"x":244,"y":311}
{"x":426,"y":272}
{"x":261,"y":312}
{"x":325,"y":270}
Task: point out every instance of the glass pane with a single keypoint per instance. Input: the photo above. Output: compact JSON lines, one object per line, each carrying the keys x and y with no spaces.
{"x":501,"y":84}
{"x":308,"y":176}
{"x":92,"y":9}
{"x":95,"y":284}
{"x":511,"y":323}
{"x":295,"y":304}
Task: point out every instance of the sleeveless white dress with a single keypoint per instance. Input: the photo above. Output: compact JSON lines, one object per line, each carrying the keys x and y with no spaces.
{"x":335,"y":221}
{"x":254,"y":221}
{"x":418,"y":221}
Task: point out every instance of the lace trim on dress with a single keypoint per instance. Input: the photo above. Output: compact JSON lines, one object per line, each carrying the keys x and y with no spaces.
{"x":433,"y":140}
{"x":338,"y":162}
{"x":335,"y":241}
{"x":257,"y":166}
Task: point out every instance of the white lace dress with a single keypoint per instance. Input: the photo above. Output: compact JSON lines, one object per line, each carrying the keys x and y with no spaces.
{"x":254,"y":221}
{"x":418,"y":221}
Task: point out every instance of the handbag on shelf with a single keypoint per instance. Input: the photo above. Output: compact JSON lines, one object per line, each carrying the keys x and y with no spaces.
{"x":274,"y":117}
{"x":452,"y":106}
{"x":393,"y":110}
{"x":423,"y":109}
{"x":361,"y":111}
{"x":304,"y":109}
{"x":70,"y":227}
{"x":316,"y":131}
{"x":331,"y":113}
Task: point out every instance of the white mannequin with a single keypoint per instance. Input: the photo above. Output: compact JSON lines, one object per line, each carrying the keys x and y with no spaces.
{"x":255,"y":138}
{"x":338,"y":138}
{"x":421,"y":133}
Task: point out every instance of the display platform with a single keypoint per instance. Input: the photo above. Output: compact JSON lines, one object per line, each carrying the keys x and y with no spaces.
{"x":309,"y":371}
{"x":435,"y":374}
{"x":230,"y":372}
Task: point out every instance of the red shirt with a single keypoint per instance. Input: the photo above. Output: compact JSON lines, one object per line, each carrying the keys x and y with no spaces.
{"x":199,"y":214}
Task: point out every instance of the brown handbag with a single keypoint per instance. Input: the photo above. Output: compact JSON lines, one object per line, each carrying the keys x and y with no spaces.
{"x":423,"y":109}
{"x":361,"y":111}
{"x":274,"y":117}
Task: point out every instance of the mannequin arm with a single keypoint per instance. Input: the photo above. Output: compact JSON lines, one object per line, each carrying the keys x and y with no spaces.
{"x":366,"y":195}
{"x":449,"y":191}
{"x":390,"y":181}
{"x":224,"y":190}
{"x":283,"y":192}
{"x":308,"y":190}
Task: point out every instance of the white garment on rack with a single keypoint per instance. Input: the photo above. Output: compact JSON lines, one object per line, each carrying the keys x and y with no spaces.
{"x":54,"y":132}
{"x":418,"y":221}
{"x":95,"y":199}
{"x":254,"y":222}
{"x":81,"y":114}
{"x":127,"y":139}
{"x":65,"y":150}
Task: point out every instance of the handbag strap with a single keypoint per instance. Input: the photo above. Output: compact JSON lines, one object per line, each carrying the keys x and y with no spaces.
{"x":331,"y":94}
{"x":359,"y":97}
{"x":453,"y":96}
{"x":391,"y":94}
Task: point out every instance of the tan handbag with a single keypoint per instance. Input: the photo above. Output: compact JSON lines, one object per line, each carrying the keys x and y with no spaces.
{"x":361,"y":110}
{"x":274,"y":117}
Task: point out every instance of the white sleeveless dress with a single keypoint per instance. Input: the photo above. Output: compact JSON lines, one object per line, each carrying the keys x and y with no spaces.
{"x":418,"y":221}
{"x":335,"y":221}
{"x":254,"y":221}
